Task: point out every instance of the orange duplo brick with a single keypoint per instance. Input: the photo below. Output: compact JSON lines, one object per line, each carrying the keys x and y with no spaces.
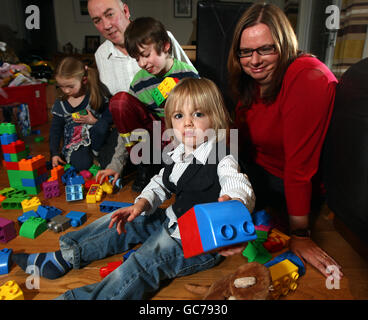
{"x":32,"y":164}
{"x":56,"y":173}
{"x":2,"y":198}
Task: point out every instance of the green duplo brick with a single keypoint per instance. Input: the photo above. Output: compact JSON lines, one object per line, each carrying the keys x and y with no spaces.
{"x":261,"y":236}
{"x":33,"y":227}
{"x":7,"y":128}
{"x":157,"y":97}
{"x":13,"y":203}
{"x":18,"y":174}
{"x":94,"y":169}
{"x":17,"y":194}
{"x":31,"y":190}
{"x":6,"y":192}
{"x":15,"y":157}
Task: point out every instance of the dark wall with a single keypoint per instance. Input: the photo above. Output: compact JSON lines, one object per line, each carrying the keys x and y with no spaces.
{"x":41,"y":42}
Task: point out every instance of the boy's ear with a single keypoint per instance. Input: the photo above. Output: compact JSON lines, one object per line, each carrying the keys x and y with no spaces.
{"x":167,"y":47}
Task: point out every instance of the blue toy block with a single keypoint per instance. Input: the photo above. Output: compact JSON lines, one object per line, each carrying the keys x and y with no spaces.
{"x":261,"y":218}
{"x":42,"y":178}
{"x":70,"y":173}
{"x":26,"y":215}
{"x":74,"y":180}
{"x":7,"y":138}
{"x":47,"y":212}
{"x":290,"y":256}
{"x":224,"y":223}
{"x":7,"y":157}
{"x":126,"y":256}
{"x":29,"y":182}
{"x":77,"y":218}
{"x":74,"y":192}
{"x":110,"y":206}
{"x":5,"y":261}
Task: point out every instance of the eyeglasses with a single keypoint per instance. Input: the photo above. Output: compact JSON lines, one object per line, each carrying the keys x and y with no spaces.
{"x":263,"y":51}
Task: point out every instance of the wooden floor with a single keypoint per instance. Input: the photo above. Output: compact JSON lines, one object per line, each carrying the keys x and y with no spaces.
{"x":312,"y":286}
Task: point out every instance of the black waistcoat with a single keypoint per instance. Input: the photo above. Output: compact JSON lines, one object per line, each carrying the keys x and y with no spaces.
{"x":198,"y":184}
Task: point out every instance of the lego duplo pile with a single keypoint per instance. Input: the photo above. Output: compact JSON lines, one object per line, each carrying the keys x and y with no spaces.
{"x":24,"y":172}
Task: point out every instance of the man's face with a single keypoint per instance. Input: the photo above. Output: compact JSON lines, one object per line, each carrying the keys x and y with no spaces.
{"x":111,"y":18}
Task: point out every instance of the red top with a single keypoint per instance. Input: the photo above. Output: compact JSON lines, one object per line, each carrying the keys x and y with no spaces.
{"x":287,"y":136}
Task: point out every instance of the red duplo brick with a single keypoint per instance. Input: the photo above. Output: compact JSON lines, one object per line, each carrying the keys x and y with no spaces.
{"x":41,"y":170}
{"x":11,"y":165}
{"x":14,"y":147}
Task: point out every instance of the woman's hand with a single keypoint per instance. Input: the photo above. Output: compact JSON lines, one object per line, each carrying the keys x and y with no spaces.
{"x":56,"y":160}
{"x":86,"y":119}
{"x":102,"y":174}
{"x":307,"y":249}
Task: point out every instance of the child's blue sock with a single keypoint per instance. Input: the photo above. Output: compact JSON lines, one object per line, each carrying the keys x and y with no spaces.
{"x":51,"y":265}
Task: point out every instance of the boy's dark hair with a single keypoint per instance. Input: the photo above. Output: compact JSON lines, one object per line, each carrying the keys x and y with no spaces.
{"x":145,"y":30}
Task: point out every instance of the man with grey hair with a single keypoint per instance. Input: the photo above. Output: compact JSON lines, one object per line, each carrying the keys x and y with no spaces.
{"x":117,"y":69}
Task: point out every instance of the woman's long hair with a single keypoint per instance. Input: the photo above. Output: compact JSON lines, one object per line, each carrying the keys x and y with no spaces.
{"x":242,"y":86}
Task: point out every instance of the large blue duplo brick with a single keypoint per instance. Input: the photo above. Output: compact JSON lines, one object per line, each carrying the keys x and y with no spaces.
{"x":225,"y":223}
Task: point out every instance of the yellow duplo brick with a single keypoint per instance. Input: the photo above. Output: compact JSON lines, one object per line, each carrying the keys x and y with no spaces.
{"x":31,"y":204}
{"x":94,"y":194}
{"x":284,"y":276}
{"x":166,"y":86}
{"x":107,"y":187}
{"x":11,"y":291}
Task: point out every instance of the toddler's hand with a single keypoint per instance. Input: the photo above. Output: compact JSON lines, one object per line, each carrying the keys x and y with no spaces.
{"x":124,"y":215}
{"x":229,"y":251}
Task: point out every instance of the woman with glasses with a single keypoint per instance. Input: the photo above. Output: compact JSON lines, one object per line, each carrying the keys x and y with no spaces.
{"x":284,"y":103}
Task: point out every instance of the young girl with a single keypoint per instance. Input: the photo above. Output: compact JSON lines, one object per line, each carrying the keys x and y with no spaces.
{"x":193,"y":107}
{"x":84,"y":135}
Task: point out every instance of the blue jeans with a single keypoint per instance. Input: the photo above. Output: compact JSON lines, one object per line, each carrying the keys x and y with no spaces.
{"x":160,"y":257}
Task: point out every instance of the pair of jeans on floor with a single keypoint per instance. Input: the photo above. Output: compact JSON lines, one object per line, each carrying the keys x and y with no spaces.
{"x":159,"y":258}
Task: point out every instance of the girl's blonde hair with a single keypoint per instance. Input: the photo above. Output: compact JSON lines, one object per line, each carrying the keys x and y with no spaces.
{"x":71,"y":67}
{"x":203,"y":95}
